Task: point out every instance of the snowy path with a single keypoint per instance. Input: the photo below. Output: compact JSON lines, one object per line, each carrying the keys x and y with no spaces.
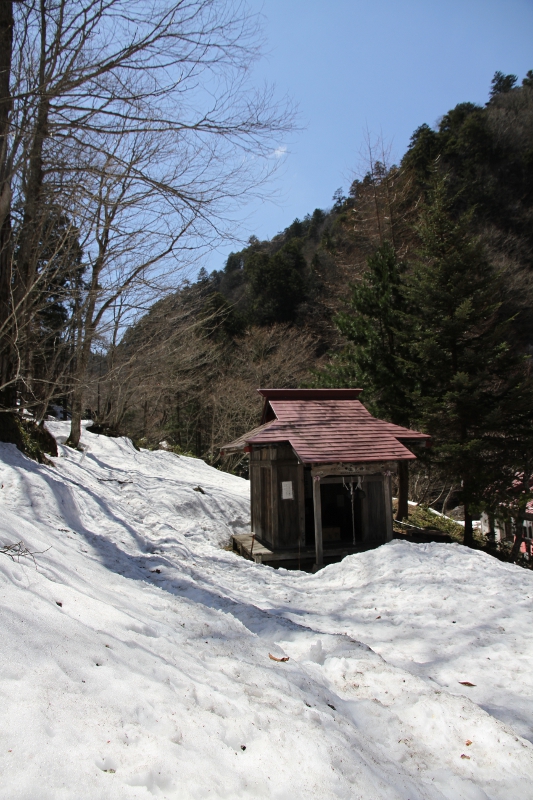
{"x":135,"y":660}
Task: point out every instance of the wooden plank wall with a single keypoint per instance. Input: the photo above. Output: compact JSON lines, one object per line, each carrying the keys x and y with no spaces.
{"x":266,"y":503}
{"x":289,"y":511}
{"x":280,"y":523}
{"x":261,"y":494}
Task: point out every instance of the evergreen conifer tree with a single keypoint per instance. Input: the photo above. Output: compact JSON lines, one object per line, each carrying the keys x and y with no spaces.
{"x":473,"y":391}
{"x":278,"y":283}
{"x":377,"y":357}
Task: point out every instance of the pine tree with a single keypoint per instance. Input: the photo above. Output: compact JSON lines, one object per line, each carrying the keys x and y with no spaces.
{"x":377,"y":326}
{"x":378,"y":356}
{"x":501,"y":84}
{"x":278,"y":283}
{"x":470,"y":380}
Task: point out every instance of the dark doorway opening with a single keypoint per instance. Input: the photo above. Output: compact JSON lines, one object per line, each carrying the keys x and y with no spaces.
{"x":341,"y":512}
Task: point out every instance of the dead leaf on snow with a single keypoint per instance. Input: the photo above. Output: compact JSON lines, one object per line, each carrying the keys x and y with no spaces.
{"x":466,"y":683}
{"x":285,"y":658}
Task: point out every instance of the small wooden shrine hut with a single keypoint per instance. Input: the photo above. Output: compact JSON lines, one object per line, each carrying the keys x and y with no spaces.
{"x":320,"y":477}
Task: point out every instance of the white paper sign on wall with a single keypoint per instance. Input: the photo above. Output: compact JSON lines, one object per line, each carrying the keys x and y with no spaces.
{"x":286,"y":490}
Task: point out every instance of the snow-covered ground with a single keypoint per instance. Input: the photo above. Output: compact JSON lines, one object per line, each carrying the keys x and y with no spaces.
{"x":135,"y":655}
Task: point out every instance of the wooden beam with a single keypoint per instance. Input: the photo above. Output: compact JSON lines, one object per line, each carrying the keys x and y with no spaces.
{"x":252,"y":495}
{"x":387,"y":490}
{"x":365,"y":523}
{"x":369,"y":468}
{"x":301,"y":505}
{"x":402,"y":511}
{"x":317,"y":507}
{"x":275,"y":498}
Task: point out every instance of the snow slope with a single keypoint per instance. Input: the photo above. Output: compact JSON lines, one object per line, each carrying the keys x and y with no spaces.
{"x":135,"y":655}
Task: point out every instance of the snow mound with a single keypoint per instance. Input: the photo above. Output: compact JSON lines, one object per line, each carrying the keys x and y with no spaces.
{"x":135,"y":657}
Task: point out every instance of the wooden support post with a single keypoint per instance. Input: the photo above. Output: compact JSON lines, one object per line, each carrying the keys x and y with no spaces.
{"x":275,"y":488}
{"x":403,"y":491}
{"x":252,"y":497}
{"x":387,"y":492}
{"x":317,"y":507}
{"x":301,"y":505}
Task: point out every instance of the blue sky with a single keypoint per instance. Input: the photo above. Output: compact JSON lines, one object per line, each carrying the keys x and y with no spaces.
{"x":385,"y":66}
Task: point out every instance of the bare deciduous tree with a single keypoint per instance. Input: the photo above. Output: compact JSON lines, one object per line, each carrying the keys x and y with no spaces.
{"x":172,"y":377}
{"x":136,"y":120}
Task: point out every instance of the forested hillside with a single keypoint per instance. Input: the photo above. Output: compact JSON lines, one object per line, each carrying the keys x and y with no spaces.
{"x":417,"y":286}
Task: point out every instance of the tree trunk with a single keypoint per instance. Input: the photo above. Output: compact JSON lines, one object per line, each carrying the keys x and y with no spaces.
{"x":6,"y":360}
{"x":491,"y":536}
{"x":199,"y":442}
{"x":518,"y":530}
{"x":75,"y":423}
{"x":403,"y":491}
{"x":145,"y":418}
{"x":178,"y":422}
{"x":86,"y":330}
{"x":32,"y":221}
{"x":468,"y":539}
{"x":78,"y":394}
{"x":447,"y":500}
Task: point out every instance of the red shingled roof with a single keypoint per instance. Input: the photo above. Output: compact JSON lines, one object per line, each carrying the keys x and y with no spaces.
{"x":326,"y":426}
